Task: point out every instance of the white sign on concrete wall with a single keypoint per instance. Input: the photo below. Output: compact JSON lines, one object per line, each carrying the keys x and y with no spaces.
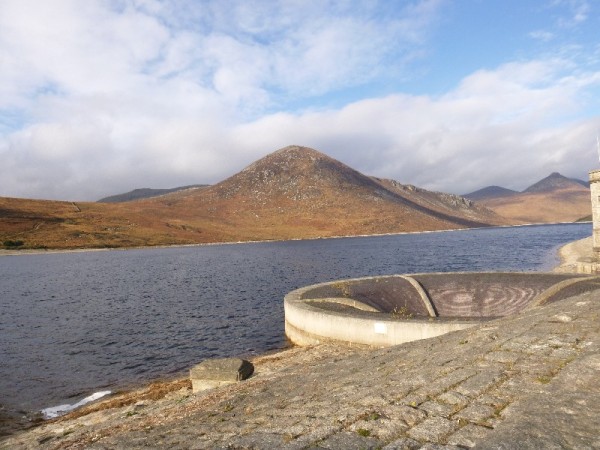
{"x":380,"y":328}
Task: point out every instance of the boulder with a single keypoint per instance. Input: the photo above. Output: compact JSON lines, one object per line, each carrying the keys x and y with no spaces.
{"x":213,"y":373}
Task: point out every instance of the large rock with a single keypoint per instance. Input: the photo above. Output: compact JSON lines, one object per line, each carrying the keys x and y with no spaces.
{"x":212,"y":373}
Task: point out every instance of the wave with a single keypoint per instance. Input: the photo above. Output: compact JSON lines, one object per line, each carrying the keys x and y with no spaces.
{"x":56,"y":411}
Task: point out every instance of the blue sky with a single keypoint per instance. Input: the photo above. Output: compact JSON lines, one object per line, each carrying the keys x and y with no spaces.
{"x":104,"y":96}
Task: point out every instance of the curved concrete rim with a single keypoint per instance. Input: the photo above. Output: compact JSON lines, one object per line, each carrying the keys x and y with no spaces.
{"x":308,"y":320}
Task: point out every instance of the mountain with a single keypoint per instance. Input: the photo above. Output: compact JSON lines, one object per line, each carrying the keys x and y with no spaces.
{"x":298,"y":191}
{"x":554,"y":182}
{"x":490,"y":192}
{"x":137,"y":194}
{"x":295,"y":192}
{"x":555,"y":198}
{"x":581,"y":182}
{"x":442,"y":202}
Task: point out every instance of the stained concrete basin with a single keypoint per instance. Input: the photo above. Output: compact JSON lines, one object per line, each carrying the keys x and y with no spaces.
{"x":393,"y":309}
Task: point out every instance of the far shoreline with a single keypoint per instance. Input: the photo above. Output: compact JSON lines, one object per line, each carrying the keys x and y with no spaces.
{"x":24,"y":252}
{"x":573,"y":252}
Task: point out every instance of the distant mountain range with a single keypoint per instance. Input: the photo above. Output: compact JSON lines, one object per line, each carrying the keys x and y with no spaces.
{"x":295,"y":192}
{"x":138,"y":194}
{"x":555,"y":198}
{"x":551,"y":183}
{"x":490,"y":192}
{"x":555,"y":181}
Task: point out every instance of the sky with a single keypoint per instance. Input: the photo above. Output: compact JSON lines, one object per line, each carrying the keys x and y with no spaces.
{"x":99,"y":97}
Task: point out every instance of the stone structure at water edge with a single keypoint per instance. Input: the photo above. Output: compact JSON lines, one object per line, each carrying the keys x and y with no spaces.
{"x":213,"y":373}
{"x":592,"y":265}
{"x":393,"y":309}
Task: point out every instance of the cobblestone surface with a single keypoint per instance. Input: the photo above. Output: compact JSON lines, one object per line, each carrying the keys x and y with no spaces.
{"x":530,"y":381}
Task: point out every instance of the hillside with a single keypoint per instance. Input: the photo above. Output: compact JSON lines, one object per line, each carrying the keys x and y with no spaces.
{"x":141,"y":193}
{"x":553,"y":199}
{"x":64,"y":225}
{"x":295,"y":192}
{"x":299,"y":191}
{"x":451,"y":204}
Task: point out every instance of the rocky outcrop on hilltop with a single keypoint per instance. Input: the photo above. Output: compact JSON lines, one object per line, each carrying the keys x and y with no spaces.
{"x":299,"y":174}
{"x":445,"y":203}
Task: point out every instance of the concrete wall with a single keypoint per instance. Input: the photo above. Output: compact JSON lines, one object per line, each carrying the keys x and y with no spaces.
{"x":595,"y":194}
{"x":331,"y":312}
{"x":306,"y":324}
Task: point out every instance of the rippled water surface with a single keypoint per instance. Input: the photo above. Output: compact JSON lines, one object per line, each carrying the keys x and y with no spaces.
{"x":75,"y":323}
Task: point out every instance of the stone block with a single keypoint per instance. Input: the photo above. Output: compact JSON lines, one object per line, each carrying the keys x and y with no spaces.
{"x":476,"y":413}
{"x":434,"y":408}
{"x":213,"y":373}
{"x":403,"y":444}
{"x":433,"y":429}
{"x":468,"y":436}
{"x":350,"y":441}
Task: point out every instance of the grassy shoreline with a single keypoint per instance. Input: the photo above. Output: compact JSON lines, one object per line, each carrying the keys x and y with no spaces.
{"x":26,"y":251}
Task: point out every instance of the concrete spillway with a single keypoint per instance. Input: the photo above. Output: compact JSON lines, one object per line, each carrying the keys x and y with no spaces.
{"x":390,"y":310}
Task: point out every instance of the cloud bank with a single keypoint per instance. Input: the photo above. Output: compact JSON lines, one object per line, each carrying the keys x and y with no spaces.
{"x":101,"y":97}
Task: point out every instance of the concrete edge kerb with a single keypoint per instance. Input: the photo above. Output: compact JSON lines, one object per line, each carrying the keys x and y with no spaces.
{"x":344,"y":301}
{"x":542,"y":298}
{"x":306,"y":324}
{"x":424,"y":296}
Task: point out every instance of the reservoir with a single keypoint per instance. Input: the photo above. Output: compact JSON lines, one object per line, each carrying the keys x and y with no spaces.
{"x":72,"y":324}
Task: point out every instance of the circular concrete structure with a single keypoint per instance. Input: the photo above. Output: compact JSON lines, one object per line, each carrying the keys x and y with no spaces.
{"x":393,"y":309}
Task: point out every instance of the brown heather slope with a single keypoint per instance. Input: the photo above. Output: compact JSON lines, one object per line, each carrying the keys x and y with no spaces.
{"x":299,"y":192}
{"x":441,"y":202}
{"x":295,"y":192}
{"x":70,"y":225}
{"x":553,"y":199}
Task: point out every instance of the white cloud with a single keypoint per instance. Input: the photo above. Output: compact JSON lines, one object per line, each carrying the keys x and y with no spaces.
{"x":90,"y":90}
{"x":577,"y":12}
{"x":239,"y":49}
{"x":74,"y":48}
{"x":102,"y":97}
{"x":542,"y":35}
{"x":505,"y":126}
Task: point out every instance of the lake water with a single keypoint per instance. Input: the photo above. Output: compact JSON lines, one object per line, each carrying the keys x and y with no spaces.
{"x":76,"y":323}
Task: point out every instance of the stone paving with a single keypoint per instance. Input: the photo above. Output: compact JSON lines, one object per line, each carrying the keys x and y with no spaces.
{"x":527,"y":381}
